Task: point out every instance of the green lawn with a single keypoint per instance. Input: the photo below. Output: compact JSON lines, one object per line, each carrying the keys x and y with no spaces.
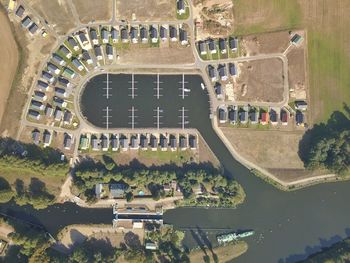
{"x":177,"y":157}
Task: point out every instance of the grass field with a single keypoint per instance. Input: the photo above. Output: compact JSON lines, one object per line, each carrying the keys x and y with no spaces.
{"x":327,"y":24}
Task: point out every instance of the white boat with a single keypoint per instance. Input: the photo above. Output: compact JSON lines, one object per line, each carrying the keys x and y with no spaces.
{"x":202,"y":85}
{"x":187,"y":90}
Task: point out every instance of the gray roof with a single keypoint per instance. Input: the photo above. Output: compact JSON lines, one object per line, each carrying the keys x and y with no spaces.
{"x":114,"y":142}
{"x":211,"y":44}
{"x":233,"y":42}
{"x":109,"y":49}
{"x":20,"y":11}
{"x":232,"y":69}
{"x":46,"y":75}
{"x":59,"y":91}
{"x":98,"y":51}
{"x":67,"y":141}
{"x":133,"y":142}
{"x":117,"y":190}
{"x":243,"y":116}
{"x":143,"y":33}
{"x":82,"y":37}
{"x":46,"y":137}
{"x":36,"y":136}
{"x":163,"y":32}
{"x":172,"y":32}
{"x":26,"y":21}
{"x":94,"y":143}
{"x":67,"y":117}
{"x":153,"y":141}
{"x":182,"y":142}
{"x":153,"y":32}
{"x":222,"y":70}
{"x":65,"y":50}
{"x":63,"y":81}
{"x":133,"y":33}
{"x":52,"y":67}
{"x":104,"y":141}
{"x":163,"y":141}
{"x":180,"y":4}
{"x":36,"y":104}
{"x":211,"y":71}
{"x":58,"y":113}
{"x":192,"y":141}
{"x":76,"y":63}
{"x":104,"y":34}
{"x":33,"y":113}
{"x":33,"y":28}
{"x":232,"y":115}
{"x":143,"y":141}
{"x":124,"y":33}
{"x":93,"y":34}
{"x":222,"y":114}
{"x":222,"y":44}
{"x":183,"y":35}
{"x":173,"y":141}
{"x":57,"y":58}
{"x":72,"y":42}
{"x":39,"y":94}
{"x":86,"y":55}
{"x":114,"y":33}
{"x":42,"y":85}
{"x":48,"y":110}
{"x":201,"y":46}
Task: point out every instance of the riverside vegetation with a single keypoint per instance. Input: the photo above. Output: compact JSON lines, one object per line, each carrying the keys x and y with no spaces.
{"x":216,"y":190}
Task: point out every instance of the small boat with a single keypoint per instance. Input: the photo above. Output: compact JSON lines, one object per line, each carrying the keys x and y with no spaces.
{"x":187,"y":90}
{"x":202,"y":85}
{"x":225,"y":238}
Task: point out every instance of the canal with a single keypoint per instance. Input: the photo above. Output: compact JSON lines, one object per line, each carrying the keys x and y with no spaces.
{"x":289,"y":225}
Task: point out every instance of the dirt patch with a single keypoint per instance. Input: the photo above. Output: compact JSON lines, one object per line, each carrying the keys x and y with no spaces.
{"x":205,"y":153}
{"x":296,"y":73}
{"x":260,"y":81}
{"x":9,"y":61}
{"x":275,"y":42}
{"x":57,"y":13}
{"x":146,"y":10}
{"x":92,"y":10}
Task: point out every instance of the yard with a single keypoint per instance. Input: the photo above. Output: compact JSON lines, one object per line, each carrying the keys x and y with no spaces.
{"x":92,"y":10}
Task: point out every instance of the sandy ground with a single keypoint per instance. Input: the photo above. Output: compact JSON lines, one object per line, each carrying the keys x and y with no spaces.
{"x":146,"y":10}
{"x":275,"y":42}
{"x":296,"y":73}
{"x":225,"y":253}
{"x":260,"y":80}
{"x":92,"y":10}
{"x":57,"y":13}
{"x":5,"y":229}
{"x":76,"y":234}
{"x":9,"y":61}
{"x":276,"y":151}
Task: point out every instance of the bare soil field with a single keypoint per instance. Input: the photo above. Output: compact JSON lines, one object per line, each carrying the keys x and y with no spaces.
{"x":166,"y":55}
{"x":296,"y":73}
{"x":146,"y":10}
{"x":259,"y":80}
{"x":275,"y":42}
{"x":92,"y":10}
{"x":9,"y":61}
{"x":276,"y":151}
{"x":58,"y":14}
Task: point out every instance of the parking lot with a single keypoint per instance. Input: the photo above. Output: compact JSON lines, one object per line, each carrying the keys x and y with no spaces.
{"x":144,"y":101}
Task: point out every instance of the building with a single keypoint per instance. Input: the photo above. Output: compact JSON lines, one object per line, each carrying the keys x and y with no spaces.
{"x":87,"y":57}
{"x":64,"y":82}
{"x":61,"y":92}
{"x":39,"y":95}
{"x":104,"y":143}
{"x":180,"y":7}
{"x":134,"y":35}
{"x":67,"y":141}
{"x":124,"y":35}
{"x":46,"y":138}
{"x":59,"y":102}
{"x":94,"y":143}
{"x":104,"y":36}
{"x":84,"y":142}
{"x":299,"y":118}
{"x":134,"y":145}
{"x":222,"y":115}
{"x":163,"y":141}
{"x":233,"y":44}
{"x":218,"y":90}
{"x":58,"y":60}
{"x":58,"y":114}
{"x":143,"y":34}
{"x":109,"y":51}
{"x":124,"y":145}
{"x":243,"y":116}
{"x":254,"y":116}
{"x":153,"y":143}
{"x":68,"y":73}
{"x":212,"y":46}
{"x":232,"y":69}
{"x":48,"y":110}
{"x":222,"y":46}
{"x":34,"y":114}
{"x":37,"y":105}
{"x":151,"y":246}
{"x":20,"y":11}
{"x":173,"y":142}
{"x":98,"y":52}
{"x":26,"y":22}
{"x":114,"y":35}
{"x":183,"y":37}
{"x":273,"y":117}
{"x":153,"y":33}
{"x":33,"y":28}
{"x":296,"y":39}
{"x":222,"y":72}
{"x":42,"y":85}
{"x":67,"y":117}
{"x":93,"y":36}
{"x":73,"y":43}
{"x":233,"y":115}
{"x":202,"y":48}
{"x":47,"y":76}
{"x":301,"y":105}
{"x":173,"y":33}
{"x":163,"y":32}
{"x":114,"y":143}
{"x":192,"y":141}
{"x":284,"y":117}
{"x":77,"y":64}
{"x":182,"y":142}
{"x":36,"y":136}
{"x":143,"y":142}
{"x":117,"y":190}
{"x":65,"y":51}
{"x":212,"y":73}
{"x":83,"y":38}
{"x":52,"y":68}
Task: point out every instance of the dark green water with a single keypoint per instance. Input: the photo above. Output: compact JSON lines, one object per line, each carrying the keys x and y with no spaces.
{"x":289,"y":226}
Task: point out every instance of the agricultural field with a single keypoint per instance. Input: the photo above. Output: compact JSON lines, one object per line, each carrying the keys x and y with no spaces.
{"x":328,"y":43}
{"x":92,"y":10}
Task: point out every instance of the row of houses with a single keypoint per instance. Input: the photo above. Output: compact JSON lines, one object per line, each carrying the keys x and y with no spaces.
{"x":26,"y":22}
{"x":253,"y":115}
{"x":221,"y":45}
{"x":123,"y":142}
{"x":46,"y":138}
{"x":221,"y":71}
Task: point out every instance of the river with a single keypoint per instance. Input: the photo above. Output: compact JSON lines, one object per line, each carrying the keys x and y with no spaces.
{"x":289,"y":225}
